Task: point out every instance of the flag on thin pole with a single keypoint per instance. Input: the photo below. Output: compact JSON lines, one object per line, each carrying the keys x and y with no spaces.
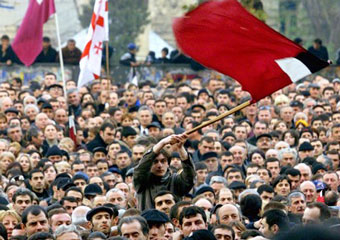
{"x":27,"y":43}
{"x":224,"y":36}
{"x":72,"y":126}
{"x":90,"y":62}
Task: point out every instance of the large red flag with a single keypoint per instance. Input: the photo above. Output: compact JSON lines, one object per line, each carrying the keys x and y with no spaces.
{"x":222,"y":35}
{"x":27,"y":44}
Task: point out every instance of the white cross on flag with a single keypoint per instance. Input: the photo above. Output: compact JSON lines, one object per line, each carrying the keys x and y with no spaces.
{"x":90,"y":62}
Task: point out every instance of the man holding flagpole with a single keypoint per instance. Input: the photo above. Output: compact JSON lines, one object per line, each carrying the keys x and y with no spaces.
{"x":90,"y":62}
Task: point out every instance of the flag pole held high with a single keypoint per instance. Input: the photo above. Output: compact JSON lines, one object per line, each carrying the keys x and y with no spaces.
{"x":224,"y":36}
{"x":90,"y":62}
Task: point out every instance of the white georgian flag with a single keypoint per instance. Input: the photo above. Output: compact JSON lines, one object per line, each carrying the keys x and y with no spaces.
{"x":90,"y":62}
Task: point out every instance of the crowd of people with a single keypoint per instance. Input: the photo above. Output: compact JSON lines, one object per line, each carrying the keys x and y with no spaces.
{"x":128,"y":169}
{"x":72,"y":54}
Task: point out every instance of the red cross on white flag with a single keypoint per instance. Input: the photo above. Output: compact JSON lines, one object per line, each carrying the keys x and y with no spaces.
{"x":90,"y":62}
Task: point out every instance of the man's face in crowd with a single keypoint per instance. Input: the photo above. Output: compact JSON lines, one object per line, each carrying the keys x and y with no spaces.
{"x":102,"y":167}
{"x":288,"y":159}
{"x":77,"y":195}
{"x":264,"y":115}
{"x":101,"y":222}
{"x":21,"y":203}
{"x":35,"y":224}
{"x":209,"y":195}
{"x":78,"y":168}
{"x":156,"y":231}
{"x":332,"y":180}
{"x":294,"y":181}
{"x":305,"y":173}
{"x":201,"y":175}
{"x":298,"y":205}
{"x":274,"y":168}
{"x":205,"y":147}
{"x":267,"y":196}
{"x":264,"y":175}
{"x":92,"y":171}
{"x":238,"y":154}
{"x":117,"y":198}
{"x":110,"y":179}
{"x":212,"y":164}
{"x":169,"y":231}
{"x":168,"y":120}
{"x":15,"y":134}
{"x":226,"y":160}
{"x":145,"y":117}
{"x":123,"y":160}
{"x":234,"y":176}
{"x":159,"y":166}
{"x":306,"y":153}
{"x":74,"y":99}
{"x":228,"y":213}
{"x":309,"y":190}
{"x":336,"y":134}
{"x":164,"y":203}
{"x":311,"y":216}
{"x":240,"y":132}
{"x":70,"y":206}
{"x":160,"y":108}
{"x":108,"y":135}
{"x":225,"y":196}
{"x":61,"y":116}
{"x":335,"y":159}
{"x":182,"y":102}
{"x":130,"y":140}
{"x":98,"y":201}
{"x":137,"y":153}
{"x":223,"y":234}
{"x":252,"y":170}
{"x":193,"y":223}
{"x":133,"y":231}
{"x":60,"y":219}
{"x":37,"y":182}
{"x":264,"y":143}
{"x":318,"y":148}
{"x":260,"y":128}
{"x":130,"y":98}
{"x":223,"y":99}
{"x":267,"y":231}
{"x":49,"y":80}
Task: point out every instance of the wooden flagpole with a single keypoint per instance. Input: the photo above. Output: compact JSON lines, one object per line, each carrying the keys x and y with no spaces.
{"x":220,"y":117}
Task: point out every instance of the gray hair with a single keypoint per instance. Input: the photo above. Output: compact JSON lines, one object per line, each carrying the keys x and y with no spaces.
{"x":28,"y":97}
{"x":218,"y":179}
{"x":295,"y":195}
{"x":145,"y":108}
{"x":298,"y":166}
{"x":31,"y":106}
{"x":300,"y":114}
{"x":66,"y":229}
{"x":281,"y":142}
{"x":287,"y":150}
{"x":247,"y":192}
{"x":113,"y":190}
{"x":72,"y":90}
{"x":79,"y":215}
